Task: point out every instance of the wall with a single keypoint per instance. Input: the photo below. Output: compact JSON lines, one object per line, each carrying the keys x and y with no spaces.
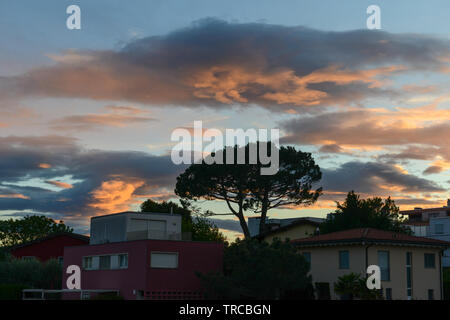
{"x":128,"y":226}
{"x":325,"y":263}
{"x":193,"y":257}
{"x":441,"y":236}
{"x":325,"y":268}
{"x":294,"y":232}
{"x":422,"y":278}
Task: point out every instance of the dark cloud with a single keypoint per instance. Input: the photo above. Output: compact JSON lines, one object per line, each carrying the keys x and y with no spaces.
{"x":433,"y":170}
{"x":374,"y":178}
{"x":216,"y":63}
{"x":227,"y":224}
{"x":331,"y":148}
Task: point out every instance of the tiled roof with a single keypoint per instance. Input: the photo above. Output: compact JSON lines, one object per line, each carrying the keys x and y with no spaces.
{"x":369,"y":235}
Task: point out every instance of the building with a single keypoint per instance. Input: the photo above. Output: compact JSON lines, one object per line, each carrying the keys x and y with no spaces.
{"x":439,"y":228}
{"x":274,"y":224}
{"x":411,"y":267}
{"x":128,"y":226}
{"x":142,"y":256}
{"x":421,"y":215}
{"x":297,"y":228}
{"x":50,"y":247}
{"x":432,"y":223}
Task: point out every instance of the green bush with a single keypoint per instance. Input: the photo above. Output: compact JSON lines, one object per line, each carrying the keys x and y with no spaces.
{"x":446,"y":283}
{"x":31,"y":273}
{"x":353,"y":286}
{"x":259,"y":270}
{"x":11,"y":291}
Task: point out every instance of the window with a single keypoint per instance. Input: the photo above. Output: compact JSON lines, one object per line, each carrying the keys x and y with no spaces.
{"x":123,"y":261}
{"x":307,"y":256}
{"x":344,"y":260}
{"x":439,"y":228}
{"x":383,"y":263}
{"x":105,"y":262}
{"x":409,"y":275}
{"x":388,"y":293}
{"x":87,"y":263}
{"x":430,"y":294}
{"x":167,"y":260}
{"x":429,"y":260}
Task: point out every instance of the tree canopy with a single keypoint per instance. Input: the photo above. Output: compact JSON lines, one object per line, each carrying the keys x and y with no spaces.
{"x":29,"y":228}
{"x":243,"y":188}
{"x":258,"y":270}
{"x":364,"y":213}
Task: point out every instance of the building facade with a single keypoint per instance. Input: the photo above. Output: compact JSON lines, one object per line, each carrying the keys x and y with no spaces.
{"x":431,"y":223}
{"x":145,"y":269}
{"x":411,"y":267}
{"x":141,"y":256}
{"x":296,"y":229}
{"x":275,"y":225}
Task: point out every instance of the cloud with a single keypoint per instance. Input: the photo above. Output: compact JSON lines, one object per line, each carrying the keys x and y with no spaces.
{"x":214,"y":63}
{"x":117,"y":116}
{"x":374,"y":179}
{"x":103,"y":181}
{"x":421,"y":133}
{"x":59,"y":184}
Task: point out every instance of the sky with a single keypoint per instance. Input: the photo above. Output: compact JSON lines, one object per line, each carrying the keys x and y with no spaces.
{"x":86,"y":115}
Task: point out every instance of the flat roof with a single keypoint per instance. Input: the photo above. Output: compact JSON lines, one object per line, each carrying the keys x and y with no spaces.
{"x":137,"y":212}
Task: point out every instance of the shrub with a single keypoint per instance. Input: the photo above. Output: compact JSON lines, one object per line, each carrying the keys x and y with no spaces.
{"x":258,"y":270}
{"x":11,"y":291}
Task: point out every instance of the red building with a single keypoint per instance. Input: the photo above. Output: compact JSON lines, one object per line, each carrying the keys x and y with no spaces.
{"x":142,"y":256}
{"x":145,"y":269}
{"x":49,"y":247}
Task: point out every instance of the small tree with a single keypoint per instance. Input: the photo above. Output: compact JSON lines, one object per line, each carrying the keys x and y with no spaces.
{"x":352,"y":286}
{"x":258,"y":270}
{"x":365,"y":213}
{"x":205,"y":230}
{"x":17,"y":231}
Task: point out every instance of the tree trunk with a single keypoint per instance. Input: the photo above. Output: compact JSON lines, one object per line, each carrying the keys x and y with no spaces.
{"x":265,"y":205}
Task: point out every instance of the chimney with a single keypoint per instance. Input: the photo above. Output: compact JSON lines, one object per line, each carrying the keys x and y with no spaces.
{"x":448,"y":202}
{"x":171,"y":210}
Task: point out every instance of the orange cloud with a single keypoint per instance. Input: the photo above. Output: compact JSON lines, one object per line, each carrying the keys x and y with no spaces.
{"x":14,"y":196}
{"x":115,"y":195}
{"x":60,"y":184}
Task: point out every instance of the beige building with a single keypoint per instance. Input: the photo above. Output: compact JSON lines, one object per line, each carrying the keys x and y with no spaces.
{"x":411,"y":267}
{"x":298,"y":229}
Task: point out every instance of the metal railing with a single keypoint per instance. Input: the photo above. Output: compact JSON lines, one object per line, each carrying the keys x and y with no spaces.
{"x":42,"y":292}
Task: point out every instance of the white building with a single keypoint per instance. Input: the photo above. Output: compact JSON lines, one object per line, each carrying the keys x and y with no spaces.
{"x":128,"y":226}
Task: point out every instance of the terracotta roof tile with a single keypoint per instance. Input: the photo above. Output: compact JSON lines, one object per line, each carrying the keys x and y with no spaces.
{"x":368,"y":235}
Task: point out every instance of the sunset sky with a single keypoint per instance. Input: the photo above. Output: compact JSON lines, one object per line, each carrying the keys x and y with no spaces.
{"x":86,"y":115}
